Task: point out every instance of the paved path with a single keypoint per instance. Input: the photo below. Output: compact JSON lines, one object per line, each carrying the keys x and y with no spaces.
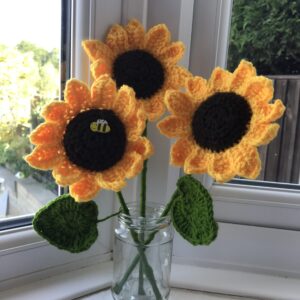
{"x":26,"y":196}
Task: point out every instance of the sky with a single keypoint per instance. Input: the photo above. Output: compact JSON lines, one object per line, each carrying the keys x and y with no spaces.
{"x":36,"y":21}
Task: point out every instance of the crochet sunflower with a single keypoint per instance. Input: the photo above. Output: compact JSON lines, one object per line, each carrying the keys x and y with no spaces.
{"x":147,"y":62}
{"x":220,"y":123}
{"x":93,"y":140}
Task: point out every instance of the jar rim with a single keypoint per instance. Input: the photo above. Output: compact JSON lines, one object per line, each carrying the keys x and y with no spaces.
{"x":153,"y":214}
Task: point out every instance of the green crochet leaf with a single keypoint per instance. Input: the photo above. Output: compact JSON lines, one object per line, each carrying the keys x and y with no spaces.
{"x":192,"y":212}
{"x":67,"y":224}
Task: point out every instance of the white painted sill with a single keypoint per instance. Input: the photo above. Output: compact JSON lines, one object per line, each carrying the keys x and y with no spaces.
{"x":84,"y":281}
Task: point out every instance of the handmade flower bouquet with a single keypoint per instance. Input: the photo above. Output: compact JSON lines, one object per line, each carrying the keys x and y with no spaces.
{"x":97,"y":138}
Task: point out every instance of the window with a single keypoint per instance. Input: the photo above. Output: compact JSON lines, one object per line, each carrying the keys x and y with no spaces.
{"x":23,"y":254}
{"x":279,"y":178}
{"x":253,"y":26}
{"x":29,"y":78}
{"x":258,"y":223}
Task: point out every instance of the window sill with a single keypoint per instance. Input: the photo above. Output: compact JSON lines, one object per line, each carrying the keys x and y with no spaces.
{"x":232,"y":282}
{"x":91,"y":279}
{"x":176,"y":294}
{"x":69,"y":285}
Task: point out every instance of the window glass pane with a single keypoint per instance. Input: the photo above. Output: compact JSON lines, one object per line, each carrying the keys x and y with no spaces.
{"x":29,"y":78}
{"x":266,"y":32}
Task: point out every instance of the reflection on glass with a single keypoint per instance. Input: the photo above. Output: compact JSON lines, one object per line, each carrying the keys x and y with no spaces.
{"x":29,"y":78}
{"x":266,"y":32}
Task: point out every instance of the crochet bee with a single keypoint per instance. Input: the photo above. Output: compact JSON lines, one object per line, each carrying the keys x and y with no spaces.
{"x":101,"y":126}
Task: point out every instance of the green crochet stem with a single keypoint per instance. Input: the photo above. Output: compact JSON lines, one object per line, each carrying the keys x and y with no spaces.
{"x":123,"y":203}
{"x":141,"y":290}
{"x":108,"y":217}
{"x":143,"y":184}
{"x":146,"y":267}
{"x":117,"y":289}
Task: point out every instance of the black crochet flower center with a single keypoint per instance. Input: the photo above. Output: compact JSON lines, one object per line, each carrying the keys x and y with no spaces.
{"x":95,"y":140}
{"x":139,"y":70}
{"x":221,"y":121}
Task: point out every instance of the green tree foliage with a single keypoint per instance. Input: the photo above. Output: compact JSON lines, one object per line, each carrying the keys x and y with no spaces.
{"x":29,"y":78}
{"x":41,"y":56}
{"x":266,"y":32}
{"x":48,"y":83}
{"x":18,"y":78}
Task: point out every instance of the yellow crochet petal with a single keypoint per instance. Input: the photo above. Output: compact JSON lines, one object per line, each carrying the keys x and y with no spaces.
{"x":135,"y":33}
{"x":220,"y":166}
{"x":180,"y":150}
{"x":179,"y":104}
{"x":156,"y":38}
{"x":46,"y":133}
{"x":115,"y":186}
{"x":262,"y":134}
{"x":45,"y":157}
{"x":66,"y":173}
{"x":125,"y":103}
{"x":246,"y":161}
{"x":244,"y":70}
{"x":142,"y":146}
{"x":56,"y":112}
{"x":154,"y":107}
{"x":176,"y":76}
{"x":96,"y":49}
{"x":171,"y":54}
{"x":100,"y":67}
{"x":173,"y":126}
{"x":135,"y":125}
{"x":117,"y":39}
{"x":258,"y":89}
{"x":132,"y":164}
{"x":85,"y":189}
{"x":197,"y":87}
{"x":128,"y":167}
{"x":77,"y":95}
{"x":112,"y":179}
{"x":267,"y":113}
{"x":220,"y":80}
{"x":103,"y":92}
{"x":197,"y":161}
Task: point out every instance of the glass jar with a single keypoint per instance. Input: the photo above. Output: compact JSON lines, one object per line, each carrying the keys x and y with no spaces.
{"x":142,"y":254}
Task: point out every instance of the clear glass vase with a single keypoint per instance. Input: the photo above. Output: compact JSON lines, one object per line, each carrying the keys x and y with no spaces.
{"x":142,"y":254}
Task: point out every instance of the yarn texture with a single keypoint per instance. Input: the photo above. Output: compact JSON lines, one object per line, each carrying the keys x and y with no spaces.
{"x":139,"y":70}
{"x":67,"y":224}
{"x":145,"y":61}
{"x":219,"y":123}
{"x":192,"y":212}
{"x":93,"y":140}
{"x":97,"y":137}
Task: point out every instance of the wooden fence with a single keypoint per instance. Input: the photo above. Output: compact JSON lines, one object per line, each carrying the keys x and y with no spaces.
{"x":281,"y":158}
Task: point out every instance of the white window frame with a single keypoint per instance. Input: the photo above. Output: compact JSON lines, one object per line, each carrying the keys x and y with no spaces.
{"x":259,"y":226}
{"x":25,"y":256}
{"x":264,"y":221}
